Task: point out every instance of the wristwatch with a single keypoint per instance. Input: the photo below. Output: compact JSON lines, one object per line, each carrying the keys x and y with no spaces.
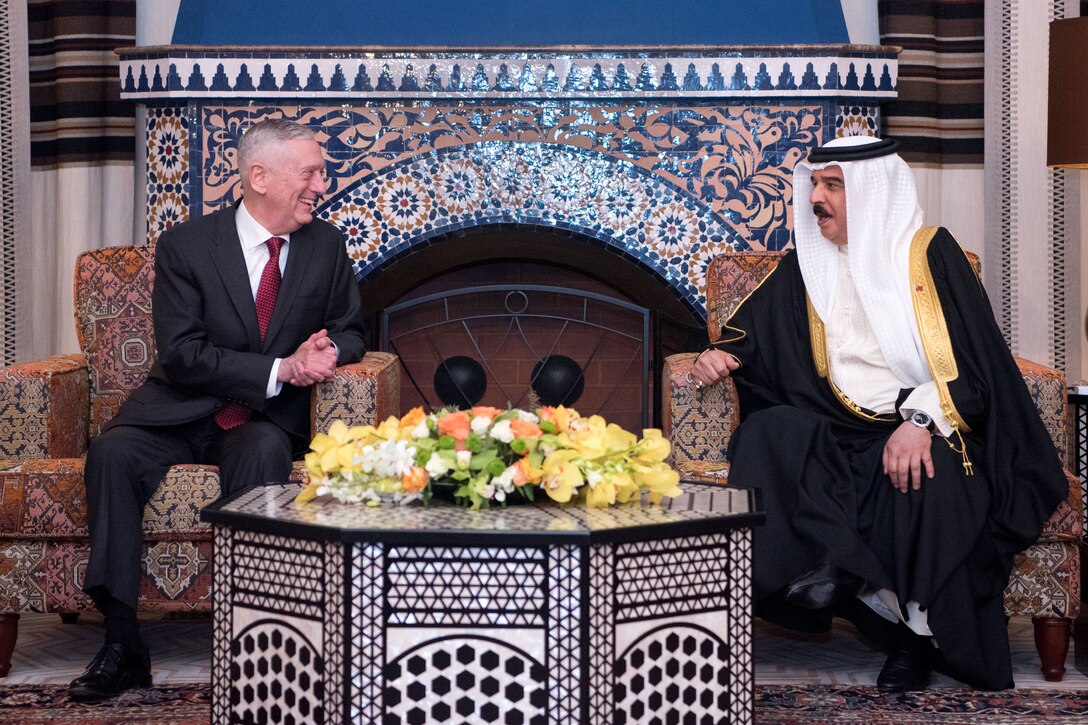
{"x":921,"y":419}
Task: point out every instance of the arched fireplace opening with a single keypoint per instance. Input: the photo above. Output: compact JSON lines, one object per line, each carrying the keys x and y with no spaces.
{"x":532,"y":341}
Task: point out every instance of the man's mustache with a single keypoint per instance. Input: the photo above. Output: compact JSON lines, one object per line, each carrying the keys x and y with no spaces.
{"x":821,"y":211}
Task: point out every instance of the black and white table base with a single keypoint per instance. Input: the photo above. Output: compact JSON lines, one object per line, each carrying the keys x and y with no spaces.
{"x":531,"y":615}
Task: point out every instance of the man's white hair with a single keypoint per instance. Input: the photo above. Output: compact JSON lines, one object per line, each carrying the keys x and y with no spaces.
{"x":266,"y":134}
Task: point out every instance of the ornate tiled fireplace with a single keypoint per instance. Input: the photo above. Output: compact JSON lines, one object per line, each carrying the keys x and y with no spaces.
{"x":655,"y":158}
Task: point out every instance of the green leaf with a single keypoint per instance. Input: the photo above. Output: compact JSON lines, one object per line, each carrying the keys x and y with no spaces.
{"x":479,"y":462}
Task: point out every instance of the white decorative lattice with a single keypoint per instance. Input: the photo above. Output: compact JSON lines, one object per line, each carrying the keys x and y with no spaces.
{"x":366,"y":632}
{"x":564,"y":634}
{"x":465,"y":680}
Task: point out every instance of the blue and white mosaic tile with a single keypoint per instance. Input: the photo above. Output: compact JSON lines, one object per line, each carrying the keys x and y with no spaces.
{"x":611,"y":201}
{"x":168,"y":170}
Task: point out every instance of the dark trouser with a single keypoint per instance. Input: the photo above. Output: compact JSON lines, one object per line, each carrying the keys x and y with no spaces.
{"x":125,"y":465}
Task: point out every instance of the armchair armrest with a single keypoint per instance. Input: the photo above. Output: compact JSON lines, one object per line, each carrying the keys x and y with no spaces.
{"x":45,"y":408}
{"x":364,"y":392}
{"x":697,"y":423}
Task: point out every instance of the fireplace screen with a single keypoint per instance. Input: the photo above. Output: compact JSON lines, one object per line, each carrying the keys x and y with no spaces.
{"x":522,"y":346}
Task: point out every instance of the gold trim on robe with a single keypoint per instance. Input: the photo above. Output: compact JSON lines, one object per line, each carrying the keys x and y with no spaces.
{"x":932,"y":327}
{"x":818,"y":337}
{"x":740,"y":334}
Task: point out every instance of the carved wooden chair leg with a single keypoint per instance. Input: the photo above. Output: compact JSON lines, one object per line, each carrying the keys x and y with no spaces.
{"x":1052,"y":642}
{"x":9,"y":631}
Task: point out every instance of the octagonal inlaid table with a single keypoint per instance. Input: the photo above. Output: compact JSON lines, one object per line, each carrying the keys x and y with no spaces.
{"x":531,"y":614}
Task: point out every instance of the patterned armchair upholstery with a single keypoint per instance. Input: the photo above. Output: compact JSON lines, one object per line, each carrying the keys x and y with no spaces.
{"x":1045,"y":582}
{"x":50,"y":410}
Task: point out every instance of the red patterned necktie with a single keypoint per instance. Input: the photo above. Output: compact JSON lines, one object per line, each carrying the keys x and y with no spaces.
{"x":233,"y":415}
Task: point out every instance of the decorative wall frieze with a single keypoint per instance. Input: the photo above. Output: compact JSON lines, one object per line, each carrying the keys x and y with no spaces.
{"x":738,"y":71}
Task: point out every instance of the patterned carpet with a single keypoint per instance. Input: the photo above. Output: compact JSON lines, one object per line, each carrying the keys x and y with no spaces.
{"x":831,"y":704}
{"x":810,"y":679}
{"x":808,"y":705}
{"x":34,"y":704}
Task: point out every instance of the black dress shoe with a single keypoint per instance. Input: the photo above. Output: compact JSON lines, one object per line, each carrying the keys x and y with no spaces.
{"x":822,"y":587}
{"x":909,"y":665}
{"x":114,"y":669}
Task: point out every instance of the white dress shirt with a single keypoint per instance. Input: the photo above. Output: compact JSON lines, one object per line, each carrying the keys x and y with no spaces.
{"x":255,"y":250}
{"x":858,"y":367}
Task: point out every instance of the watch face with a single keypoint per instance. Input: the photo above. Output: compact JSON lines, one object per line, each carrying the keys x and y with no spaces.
{"x":920,"y":418}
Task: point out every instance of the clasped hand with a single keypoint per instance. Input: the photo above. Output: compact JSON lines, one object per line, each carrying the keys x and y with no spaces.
{"x":907,"y":451}
{"x":313,"y":362}
{"x":712,"y":366}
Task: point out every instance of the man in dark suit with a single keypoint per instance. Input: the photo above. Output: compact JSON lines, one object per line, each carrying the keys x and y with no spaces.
{"x":252,"y":305}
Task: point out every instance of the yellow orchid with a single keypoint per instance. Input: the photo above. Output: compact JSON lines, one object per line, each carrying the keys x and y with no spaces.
{"x":625,"y":485}
{"x":308,"y":492}
{"x":390,"y":429}
{"x":618,"y":440}
{"x":661,"y":480}
{"x":601,"y":495}
{"x":334,"y":450}
{"x":561,"y":475}
{"x":589,"y":436}
{"x":653,"y":448}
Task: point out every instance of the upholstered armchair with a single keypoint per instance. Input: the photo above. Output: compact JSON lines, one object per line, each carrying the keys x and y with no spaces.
{"x":1045,"y":582}
{"x":51,"y":409}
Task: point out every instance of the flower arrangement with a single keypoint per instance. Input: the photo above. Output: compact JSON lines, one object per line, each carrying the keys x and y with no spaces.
{"x":488,"y":455}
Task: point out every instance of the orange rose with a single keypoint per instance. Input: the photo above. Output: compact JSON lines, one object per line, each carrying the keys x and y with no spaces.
{"x":414,"y":479}
{"x":485,"y":411}
{"x":412,"y":418}
{"x":455,"y":425}
{"x":559,"y":416}
{"x":525,"y":428}
{"x":525,"y":473}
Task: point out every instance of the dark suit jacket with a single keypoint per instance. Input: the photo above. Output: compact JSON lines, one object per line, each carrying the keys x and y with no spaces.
{"x":209,"y":348}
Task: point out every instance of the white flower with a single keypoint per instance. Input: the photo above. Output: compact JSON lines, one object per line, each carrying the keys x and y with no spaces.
{"x":463,"y":459}
{"x":421,"y":430}
{"x":505,"y":480}
{"x":436,"y":465}
{"x":526,"y":415}
{"x":480,"y":424}
{"x":501,"y":431}
{"x":593,"y":477}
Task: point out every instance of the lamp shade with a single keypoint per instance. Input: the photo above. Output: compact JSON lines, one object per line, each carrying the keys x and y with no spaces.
{"x":1067,"y":127}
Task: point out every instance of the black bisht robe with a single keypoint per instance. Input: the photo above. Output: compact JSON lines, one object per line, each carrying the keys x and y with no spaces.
{"x":948,"y":546}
